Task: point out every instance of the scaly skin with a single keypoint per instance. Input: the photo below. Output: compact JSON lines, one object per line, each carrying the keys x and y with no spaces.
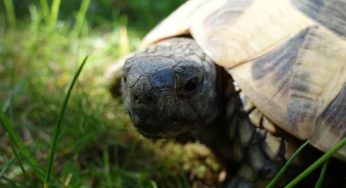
{"x":170,"y":88}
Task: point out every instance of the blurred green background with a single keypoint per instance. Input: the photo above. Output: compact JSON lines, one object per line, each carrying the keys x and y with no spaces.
{"x":141,"y":15}
{"x":42,"y":44}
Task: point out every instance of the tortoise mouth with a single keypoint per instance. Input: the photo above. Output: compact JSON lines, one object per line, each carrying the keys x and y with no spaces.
{"x":167,"y":133}
{"x":157,"y":134}
{"x":168,"y":121}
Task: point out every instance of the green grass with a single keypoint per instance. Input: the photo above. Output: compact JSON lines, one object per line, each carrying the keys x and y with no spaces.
{"x":93,"y":144}
{"x":322,"y":175}
{"x":322,"y":160}
{"x":284,"y":168}
{"x":11,"y":18}
{"x":53,"y":136}
{"x":58,"y":128}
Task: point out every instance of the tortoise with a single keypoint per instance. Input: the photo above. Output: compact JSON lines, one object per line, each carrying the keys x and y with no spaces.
{"x":251,"y":79}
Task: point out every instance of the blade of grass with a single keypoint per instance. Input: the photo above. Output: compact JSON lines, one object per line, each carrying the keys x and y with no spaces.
{"x":54,"y":13}
{"x":281,"y":172}
{"x":45,"y":9}
{"x":317,"y":163}
{"x":12,"y":183}
{"x":185,"y":181}
{"x":36,"y":18}
{"x":80,"y":17}
{"x":19,"y":146}
{"x":153,"y":184}
{"x":129,"y":156}
{"x":27,"y":177}
{"x":4,"y":166}
{"x":58,"y":127}
{"x":106,"y":167}
{"x":9,"y":100}
{"x":322,"y":175}
{"x":123,"y":37}
{"x":11,"y":17}
{"x":7,"y":106}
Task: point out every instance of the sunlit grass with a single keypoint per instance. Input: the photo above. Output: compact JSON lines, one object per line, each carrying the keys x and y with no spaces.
{"x":58,"y":128}
{"x":97,"y":146}
{"x":11,"y":18}
{"x":80,"y":19}
{"x":54,"y":13}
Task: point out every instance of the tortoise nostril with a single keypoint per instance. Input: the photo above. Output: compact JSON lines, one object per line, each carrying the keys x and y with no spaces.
{"x":150,"y":98}
{"x":143,"y":99}
{"x":191,"y":84}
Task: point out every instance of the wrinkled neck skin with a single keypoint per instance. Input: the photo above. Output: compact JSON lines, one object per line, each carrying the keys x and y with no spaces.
{"x":174,"y":88}
{"x":216,"y":135}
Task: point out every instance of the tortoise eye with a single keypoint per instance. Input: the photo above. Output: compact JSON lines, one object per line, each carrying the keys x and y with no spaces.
{"x":191,"y":84}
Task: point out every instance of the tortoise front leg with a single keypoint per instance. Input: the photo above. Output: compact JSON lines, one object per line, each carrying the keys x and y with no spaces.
{"x":257,"y":153}
{"x":259,"y":149}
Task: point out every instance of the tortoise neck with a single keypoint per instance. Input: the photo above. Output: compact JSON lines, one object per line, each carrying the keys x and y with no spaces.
{"x":215,"y":135}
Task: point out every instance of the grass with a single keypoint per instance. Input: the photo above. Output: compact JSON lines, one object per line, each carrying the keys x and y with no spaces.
{"x":322,"y":175}
{"x":93,"y":144}
{"x":11,"y":18}
{"x":284,"y":168}
{"x":88,"y":141}
{"x":58,"y":128}
{"x":322,"y":160}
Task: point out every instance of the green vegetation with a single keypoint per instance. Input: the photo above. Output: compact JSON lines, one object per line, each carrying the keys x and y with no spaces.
{"x":284,"y":168}
{"x":86,"y":141}
{"x":53,"y":135}
{"x":323,"y":160}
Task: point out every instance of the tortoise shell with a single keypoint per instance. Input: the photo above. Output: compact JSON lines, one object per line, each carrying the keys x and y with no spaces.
{"x":287,"y":56}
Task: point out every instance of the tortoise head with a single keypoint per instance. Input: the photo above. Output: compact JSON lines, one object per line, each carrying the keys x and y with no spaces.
{"x":168,"y":92}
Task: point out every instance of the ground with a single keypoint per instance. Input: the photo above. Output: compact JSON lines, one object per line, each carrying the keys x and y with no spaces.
{"x":96,"y":146}
{"x":42,"y":45}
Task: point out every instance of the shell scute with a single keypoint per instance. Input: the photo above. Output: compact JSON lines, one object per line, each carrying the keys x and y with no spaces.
{"x":323,"y":12}
{"x":299,"y":83}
